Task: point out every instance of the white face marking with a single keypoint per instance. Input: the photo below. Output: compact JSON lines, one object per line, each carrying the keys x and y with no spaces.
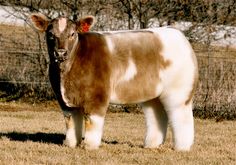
{"x":93,"y":135}
{"x":62,"y":24}
{"x":130,"y":72}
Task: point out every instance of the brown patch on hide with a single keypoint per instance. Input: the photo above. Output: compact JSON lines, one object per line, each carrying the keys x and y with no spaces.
{"x":87,"y":84}
{"x":144,"y":49}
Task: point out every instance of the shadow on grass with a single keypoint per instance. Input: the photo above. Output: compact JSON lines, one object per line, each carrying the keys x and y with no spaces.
{"x":50,"y":138}
{"x":53,"y":138}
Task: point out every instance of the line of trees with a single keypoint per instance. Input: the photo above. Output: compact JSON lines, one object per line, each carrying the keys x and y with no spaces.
{"x":221,"y":12}
{"x":205,"y":16}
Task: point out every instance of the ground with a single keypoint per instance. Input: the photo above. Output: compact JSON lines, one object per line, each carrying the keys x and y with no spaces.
{"x":33,"y":134}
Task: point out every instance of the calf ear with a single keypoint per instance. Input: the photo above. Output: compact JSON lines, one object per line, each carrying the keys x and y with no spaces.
{"x":85,"y":24}
{"x":39,"y":21}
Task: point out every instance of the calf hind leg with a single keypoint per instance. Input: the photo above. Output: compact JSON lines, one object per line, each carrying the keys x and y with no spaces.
{"x":156,"y":123}
{"x":181,"y":120}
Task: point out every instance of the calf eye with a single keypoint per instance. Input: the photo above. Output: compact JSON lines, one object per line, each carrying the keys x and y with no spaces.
{"x":72,"y":35}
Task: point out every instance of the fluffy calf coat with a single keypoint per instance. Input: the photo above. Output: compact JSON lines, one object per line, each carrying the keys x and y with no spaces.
{"x":89,"y":70}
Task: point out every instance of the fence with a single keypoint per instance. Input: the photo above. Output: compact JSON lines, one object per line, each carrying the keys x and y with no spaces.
{"x":216,"y":94}
{"x":21,"y":75}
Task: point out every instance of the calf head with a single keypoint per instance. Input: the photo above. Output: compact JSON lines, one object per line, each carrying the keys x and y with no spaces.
{"x":61,"y":34}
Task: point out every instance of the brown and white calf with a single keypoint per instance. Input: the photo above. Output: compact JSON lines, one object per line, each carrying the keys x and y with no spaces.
{"x":89,"y":70}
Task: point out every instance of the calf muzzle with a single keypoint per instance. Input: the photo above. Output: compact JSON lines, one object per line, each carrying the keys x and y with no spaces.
{"x":60,"y":55}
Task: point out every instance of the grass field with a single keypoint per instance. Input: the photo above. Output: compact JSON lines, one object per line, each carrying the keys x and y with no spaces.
{"x":33,"y":134}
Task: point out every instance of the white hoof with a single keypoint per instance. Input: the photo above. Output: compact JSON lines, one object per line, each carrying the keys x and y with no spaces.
{"x":152,"y":143}
{"x":70,"y":140}
{"x":91,"y":147}
{"x":69,"y":144}
{"x":182,"y":147}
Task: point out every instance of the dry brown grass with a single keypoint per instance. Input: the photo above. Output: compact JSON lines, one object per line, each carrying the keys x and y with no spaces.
{"x":33,"y":137}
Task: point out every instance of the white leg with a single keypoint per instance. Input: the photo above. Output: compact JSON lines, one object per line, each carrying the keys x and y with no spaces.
{"x":74,"y":126}
{"x":93,"y":131}
{"x":156,"y":123}
{"x":182,"y":123}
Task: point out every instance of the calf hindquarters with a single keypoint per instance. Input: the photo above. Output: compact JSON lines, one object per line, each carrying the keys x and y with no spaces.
{"x":179,"y":82}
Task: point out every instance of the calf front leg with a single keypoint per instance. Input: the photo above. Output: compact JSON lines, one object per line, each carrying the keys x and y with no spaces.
{"x":93,"y":131}
{"x":74,"y":127}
